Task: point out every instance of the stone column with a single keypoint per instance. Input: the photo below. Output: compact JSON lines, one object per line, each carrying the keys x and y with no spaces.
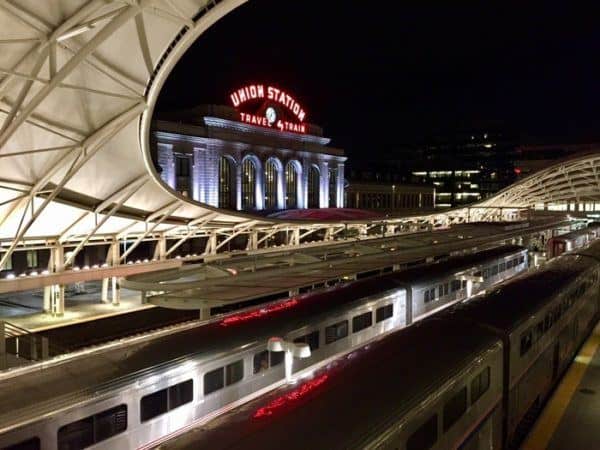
{"x":167,"y":164}
{"x":340,"y":186}
{"x":303,"y":181}
{"x":205,"y":175}
{"x":238,"y":186}
{"x":324,"y":184}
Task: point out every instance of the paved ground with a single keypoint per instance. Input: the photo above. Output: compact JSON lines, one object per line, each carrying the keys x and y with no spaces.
{"x":571,"y":420}
{"x":24,"y":309}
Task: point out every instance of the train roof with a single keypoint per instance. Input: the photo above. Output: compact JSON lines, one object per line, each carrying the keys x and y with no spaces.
{"x":509,"y":304}
{"x":361,"y":396}
{"x":42,"y":390}
{"x":592,"y":250}
{"x":455,"y":263}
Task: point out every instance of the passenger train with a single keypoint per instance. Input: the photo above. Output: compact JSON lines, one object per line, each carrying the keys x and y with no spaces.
{"x":473,"y":377}
{"x":137,"y":393}
{"x":574,"y":240}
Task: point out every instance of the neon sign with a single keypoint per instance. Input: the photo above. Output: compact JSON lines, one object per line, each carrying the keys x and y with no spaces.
{"x":272,"y":99}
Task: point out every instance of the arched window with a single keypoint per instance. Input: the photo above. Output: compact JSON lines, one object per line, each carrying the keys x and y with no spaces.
{"x":291,"y":184}
{"x":226,"y":183}
{"x":248,"y":184}
{"x":313,"y":187}
{"x":271,"y":182}
{"x":332,"y":187}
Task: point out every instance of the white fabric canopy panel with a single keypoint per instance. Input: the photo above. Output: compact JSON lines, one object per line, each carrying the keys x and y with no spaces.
{"x":78,"y":83}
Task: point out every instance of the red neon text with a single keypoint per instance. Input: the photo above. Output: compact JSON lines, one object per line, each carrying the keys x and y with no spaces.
{"x":258,"y":91}
{"x":282,"y":125}
{"x":258,"y":313}
{"x":293,"y":396}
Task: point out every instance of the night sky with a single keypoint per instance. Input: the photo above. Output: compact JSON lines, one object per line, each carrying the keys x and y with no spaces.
{"x":378,"y":75}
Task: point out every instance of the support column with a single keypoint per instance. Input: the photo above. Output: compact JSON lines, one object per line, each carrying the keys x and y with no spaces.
{"x":57,"y":300}
{"x":340,"y":186}
{"x":3,"y":363}
{"x":238,"y":186}
{"x":324,"y":184}
{"x":55,"y":264}
{"x":160,"y":251}
{"x":281,"y":188}
{"x":303,"y":201}
{"x":104,"y":290}
{"x":116,"y":292}
{"x":167,"y":164}
{"x":252,"y":240}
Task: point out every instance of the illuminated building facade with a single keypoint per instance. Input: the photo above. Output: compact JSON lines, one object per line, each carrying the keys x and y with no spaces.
{"x":258,"y":154}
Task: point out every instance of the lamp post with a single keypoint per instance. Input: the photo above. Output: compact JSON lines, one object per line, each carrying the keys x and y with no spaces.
{"x":291,"y":349}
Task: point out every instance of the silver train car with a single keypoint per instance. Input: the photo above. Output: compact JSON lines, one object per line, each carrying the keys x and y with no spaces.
{"x":136,"y":394}
{"x":574,"y":240}
{"x":470,"y":378}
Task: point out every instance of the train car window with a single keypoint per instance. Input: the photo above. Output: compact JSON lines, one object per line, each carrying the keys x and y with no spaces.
{"x":441,"y":290}
{"x":480,"y":384}
{"x":526,"y":342}
{"x":77,"y":434}
{"x":446,"y":287}
{"x":425,"y":436}
{"x":426,"y":296}
{"x":454,"y":408}
{"x":502,"y":267}
{"x":276,"y":358}
{"x":154,"y":404}
{"x":180,"y":394}
{"x":234,"y":372}
{"x":509,"y":264}
{"x":521,"y":259}
{"x":494,"y":270}
{"x":454,"y":285}
{"x":92,"y":429}
{"x":261,"y":361}
{"x":486,"y":273}
{"x":29,"y":444}
{"x":362,"y":321}
{"x":336,"y":331}
{"x":312,"y":339}
{"x":110,"y":423}
{"x":384,"y":312}
{"x":213,"y":380}
{"x":464,"y":284}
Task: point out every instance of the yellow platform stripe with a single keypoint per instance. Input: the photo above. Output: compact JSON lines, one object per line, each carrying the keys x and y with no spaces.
{"x":546,"y":425}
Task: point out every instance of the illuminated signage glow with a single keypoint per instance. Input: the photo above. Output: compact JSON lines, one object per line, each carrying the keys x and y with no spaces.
{"x":274,"y":98}
{"x":243,"y":317}
{"x":290,"y":398}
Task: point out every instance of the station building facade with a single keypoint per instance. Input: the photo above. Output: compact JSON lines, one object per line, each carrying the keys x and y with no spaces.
{"x":257,"y":154}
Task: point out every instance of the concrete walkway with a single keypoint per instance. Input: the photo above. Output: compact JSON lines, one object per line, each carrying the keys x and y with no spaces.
{"x":571,"y":419}
{"x":26,"y":309}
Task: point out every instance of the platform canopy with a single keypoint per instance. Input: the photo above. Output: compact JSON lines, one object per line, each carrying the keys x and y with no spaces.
{"x":78,"y":83}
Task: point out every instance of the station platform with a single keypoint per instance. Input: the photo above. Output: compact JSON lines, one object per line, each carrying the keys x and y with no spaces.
{"x":25,"y":309}
{"x":571,"y":419}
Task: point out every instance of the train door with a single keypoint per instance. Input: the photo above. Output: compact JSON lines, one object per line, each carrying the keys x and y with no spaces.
{"x":558,"y":248}
{"x":555,"y":360}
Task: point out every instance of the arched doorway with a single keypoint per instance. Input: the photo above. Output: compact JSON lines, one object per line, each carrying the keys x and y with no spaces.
{"x":226,"y":183}
{"x":271,"y":183}
{"x":313,"y":187}
{"x":291,"y":185}
{"x":248,"y":184}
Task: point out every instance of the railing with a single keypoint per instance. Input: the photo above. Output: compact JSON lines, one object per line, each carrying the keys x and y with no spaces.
{"x":21,"y":343}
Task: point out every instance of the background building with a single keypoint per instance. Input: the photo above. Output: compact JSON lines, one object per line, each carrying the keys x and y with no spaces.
{"x":260,"y":155}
